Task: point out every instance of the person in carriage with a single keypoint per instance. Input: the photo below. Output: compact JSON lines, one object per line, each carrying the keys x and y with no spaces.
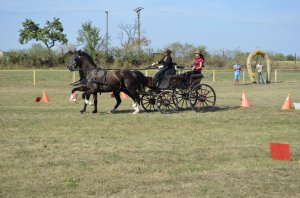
{"x":196,"y":66}
{"x":167,"y":68}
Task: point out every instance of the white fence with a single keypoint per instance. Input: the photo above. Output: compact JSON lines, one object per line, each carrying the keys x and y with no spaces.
{"x":210,"y":75}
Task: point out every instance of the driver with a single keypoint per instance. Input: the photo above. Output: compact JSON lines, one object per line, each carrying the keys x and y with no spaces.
{"x":167,"y":69}
{"x":196,"y":66}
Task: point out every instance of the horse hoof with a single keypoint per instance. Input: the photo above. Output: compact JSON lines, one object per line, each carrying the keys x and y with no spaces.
{"x":94,"y":111}
{"x":135,"y":112}
{"x":81,"y":112}
{"x":112,"y":111}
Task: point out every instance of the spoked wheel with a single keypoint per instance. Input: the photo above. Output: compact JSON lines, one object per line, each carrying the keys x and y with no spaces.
{"x":166,"y":102}
{"x":202,"y":98}
{"x":195,"y":83}
{"x":148,"y":101}
{"x":183,"y":99}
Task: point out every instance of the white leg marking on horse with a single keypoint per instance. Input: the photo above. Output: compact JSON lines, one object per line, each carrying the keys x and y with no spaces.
{"x":136,"y":108}
{"x":73,"y":98}
{"x":112,"y":111}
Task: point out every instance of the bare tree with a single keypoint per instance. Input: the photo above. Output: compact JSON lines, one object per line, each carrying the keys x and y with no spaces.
{"x":129,"y":38}
{"x":128,"y":34}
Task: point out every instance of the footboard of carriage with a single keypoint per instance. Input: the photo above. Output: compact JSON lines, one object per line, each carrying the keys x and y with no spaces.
{"x":176,"y":92}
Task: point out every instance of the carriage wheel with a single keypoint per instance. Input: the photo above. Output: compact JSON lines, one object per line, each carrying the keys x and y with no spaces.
{"x":183,"y":99}
{"x":195,"y":83}
{"x":166,"y":102}
{"x":148,"y":102}
{"x":202,"y":98}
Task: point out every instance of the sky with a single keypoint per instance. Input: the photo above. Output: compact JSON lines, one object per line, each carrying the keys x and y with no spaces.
{"x":245,"y":25}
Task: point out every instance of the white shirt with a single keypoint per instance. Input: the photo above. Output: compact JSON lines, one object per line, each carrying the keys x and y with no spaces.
{"x":259,"y":67}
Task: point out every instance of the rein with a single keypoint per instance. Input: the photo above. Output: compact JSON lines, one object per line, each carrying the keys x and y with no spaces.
{"x":84,"y":69}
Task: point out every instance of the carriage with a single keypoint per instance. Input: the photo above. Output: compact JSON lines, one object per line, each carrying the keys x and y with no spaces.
{"x":175,"y":93}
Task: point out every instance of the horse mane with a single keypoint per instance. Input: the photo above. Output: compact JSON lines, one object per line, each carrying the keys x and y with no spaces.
{"x":81,"y":53}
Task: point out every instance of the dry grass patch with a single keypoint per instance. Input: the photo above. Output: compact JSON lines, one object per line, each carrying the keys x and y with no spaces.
{"x":50,"y":150}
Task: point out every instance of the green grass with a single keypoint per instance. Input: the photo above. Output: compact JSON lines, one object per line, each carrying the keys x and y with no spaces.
{"x":51,"y":150}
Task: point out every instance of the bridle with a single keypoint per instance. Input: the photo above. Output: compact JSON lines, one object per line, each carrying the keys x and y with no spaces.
{"x":74,"y":63}
{"x":75,"y":59}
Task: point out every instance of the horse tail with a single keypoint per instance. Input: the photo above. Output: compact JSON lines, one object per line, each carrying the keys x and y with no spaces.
{"x":141,"y":79}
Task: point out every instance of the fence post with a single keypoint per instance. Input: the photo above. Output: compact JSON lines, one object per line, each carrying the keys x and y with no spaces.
{"x":33,"y":77}
{"x":243,"y":76}
{"x":214,"y":76}
{"x":275,"y":75}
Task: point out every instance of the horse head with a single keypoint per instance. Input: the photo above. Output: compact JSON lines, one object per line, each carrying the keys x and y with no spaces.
{"x":80,"y":60}
{"x":74,"y":62}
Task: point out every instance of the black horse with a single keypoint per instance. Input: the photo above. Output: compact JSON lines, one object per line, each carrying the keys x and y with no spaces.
{"x":98,"y":80}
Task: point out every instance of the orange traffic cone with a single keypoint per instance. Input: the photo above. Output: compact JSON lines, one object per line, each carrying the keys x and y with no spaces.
{"x":244,"y":102}
{"x":287,"y":104}
{"x":45,"y":97}
{"x":124,"y":95}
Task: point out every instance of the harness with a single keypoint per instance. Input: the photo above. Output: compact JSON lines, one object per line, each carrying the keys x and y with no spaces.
{"x":102,"y":83}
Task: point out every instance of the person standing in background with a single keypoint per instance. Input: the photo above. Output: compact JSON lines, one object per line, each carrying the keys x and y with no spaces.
{"x":237,"y":73}
{"x":260,"y":77}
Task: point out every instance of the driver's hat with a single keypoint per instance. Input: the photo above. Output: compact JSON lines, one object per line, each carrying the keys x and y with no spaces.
{"x":197,"y":51}
{"x":167,"y":50}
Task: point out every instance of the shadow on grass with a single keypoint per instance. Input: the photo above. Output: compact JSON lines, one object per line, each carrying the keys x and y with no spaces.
{"x":130,"y":111}
{"x":224,"y":108}
{"x":117,"y":112}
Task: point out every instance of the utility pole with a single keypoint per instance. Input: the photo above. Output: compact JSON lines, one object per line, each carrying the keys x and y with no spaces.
{"x":138,"y":10}
{"x":106,"y":43}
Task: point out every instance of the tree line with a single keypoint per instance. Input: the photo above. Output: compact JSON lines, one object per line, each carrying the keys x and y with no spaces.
{"x":125,"y":55}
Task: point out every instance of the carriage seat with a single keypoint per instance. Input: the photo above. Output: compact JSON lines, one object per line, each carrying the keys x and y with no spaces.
{"x":178,"y":76}
{"x":197,"y":76}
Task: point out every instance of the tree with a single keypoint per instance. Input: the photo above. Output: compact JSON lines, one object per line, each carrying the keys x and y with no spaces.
{"x":129,"y":37}
{"x":51,"y":33}
{"x":290,"y":57}
{"x":130,"y":45}
{"x":184,"y":53}
{"x":89,"y":36}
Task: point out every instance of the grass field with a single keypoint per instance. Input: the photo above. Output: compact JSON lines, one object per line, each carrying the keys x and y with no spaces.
{"x":51,"y":150}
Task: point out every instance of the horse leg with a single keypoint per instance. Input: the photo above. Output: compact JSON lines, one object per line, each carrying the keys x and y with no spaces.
{"x":136,"y":104}
{"x":95,"y":102}
{"x":136,"y":100}
{"x":73,"y":97}
{"x":85,"y":97}
{"x":78,"y":89}
{"x":118,"y":100}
